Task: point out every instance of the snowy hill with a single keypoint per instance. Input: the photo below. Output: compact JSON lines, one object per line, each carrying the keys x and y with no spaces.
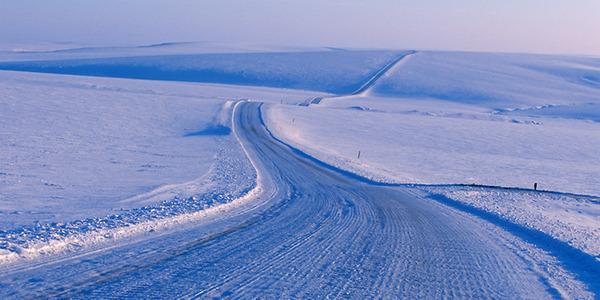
{"x":524,"y":84}
{"x":327,"y":71}
{"x":105,"y":153}
{"x":444,"y":117}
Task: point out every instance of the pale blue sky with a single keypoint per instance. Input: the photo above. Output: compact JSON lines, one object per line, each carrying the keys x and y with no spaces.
{"x":543,"y":26}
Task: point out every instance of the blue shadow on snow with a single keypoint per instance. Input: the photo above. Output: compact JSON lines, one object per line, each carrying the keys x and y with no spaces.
{"x":211,"y":130}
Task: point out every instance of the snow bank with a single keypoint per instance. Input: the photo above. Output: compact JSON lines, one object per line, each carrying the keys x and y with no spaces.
{"x":86,"y":160}
{"x":572,"y":219}
{"x":86,"y":144}
{"x":231,"y":177}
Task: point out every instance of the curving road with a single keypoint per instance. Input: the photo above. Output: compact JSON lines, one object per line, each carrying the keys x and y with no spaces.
{"x":371,"y":81}
{"x":319,"y":234}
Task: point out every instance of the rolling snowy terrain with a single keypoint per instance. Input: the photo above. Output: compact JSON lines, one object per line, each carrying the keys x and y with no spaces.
{"x":481,"y":123}
{"x":327,"y":71}
{"x":508,"y":122}
{"x":430,"y":156}
{"x":60,"y":51}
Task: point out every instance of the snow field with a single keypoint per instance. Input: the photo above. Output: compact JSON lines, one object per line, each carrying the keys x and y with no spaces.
{"x":69,"y":153}
{"x":560,"y":155}
{"x":94,"y":138}
{"x":326,"y":70}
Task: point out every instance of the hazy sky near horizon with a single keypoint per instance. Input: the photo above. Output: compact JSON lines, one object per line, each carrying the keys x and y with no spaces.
{"x":541,"y":26}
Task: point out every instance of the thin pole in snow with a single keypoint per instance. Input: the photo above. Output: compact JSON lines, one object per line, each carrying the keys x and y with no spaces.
{"x":358,"y":156}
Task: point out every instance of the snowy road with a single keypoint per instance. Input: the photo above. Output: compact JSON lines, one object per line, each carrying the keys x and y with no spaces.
{"x":371,"y":81}
{"x":319,"y":233}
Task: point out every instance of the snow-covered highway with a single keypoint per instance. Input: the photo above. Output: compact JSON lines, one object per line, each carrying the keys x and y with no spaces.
{"x":313,"y":233}
{"x":371,"y":81}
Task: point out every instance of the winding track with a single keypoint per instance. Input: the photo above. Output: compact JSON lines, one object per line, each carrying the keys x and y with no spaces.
{"x":367,"y":85}
{"x":371,"y":81}
{"x":319,"y":234}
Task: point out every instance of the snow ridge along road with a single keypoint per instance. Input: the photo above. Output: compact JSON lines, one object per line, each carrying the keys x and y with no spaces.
{"x":364,"y":89}
{"x":320,"y":234}
{"x":371,"y":81}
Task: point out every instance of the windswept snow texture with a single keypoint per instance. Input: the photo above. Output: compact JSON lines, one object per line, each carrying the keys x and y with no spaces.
{"x":85,"y":157}
{"x":68,"y":153}
{"x":327,"y":71}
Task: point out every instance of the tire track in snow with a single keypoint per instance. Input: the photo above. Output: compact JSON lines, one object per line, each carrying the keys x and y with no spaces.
{"x":322,"y":234}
